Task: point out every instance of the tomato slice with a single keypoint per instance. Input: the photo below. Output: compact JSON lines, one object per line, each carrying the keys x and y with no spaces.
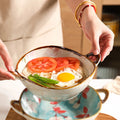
{"x":61,"y":63}
{"x":42,"y":64}
{"x":74,"y":63}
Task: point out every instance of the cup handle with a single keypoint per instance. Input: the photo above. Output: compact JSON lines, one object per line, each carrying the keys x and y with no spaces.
{"x":97,"y":58}
{"x":106,"y":92}
{"x":15,"y":105}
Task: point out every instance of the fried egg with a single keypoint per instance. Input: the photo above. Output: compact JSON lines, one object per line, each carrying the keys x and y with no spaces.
{"x":67,"y":77}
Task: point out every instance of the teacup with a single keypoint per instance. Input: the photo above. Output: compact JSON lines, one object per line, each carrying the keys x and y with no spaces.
{"x":51,"y":94}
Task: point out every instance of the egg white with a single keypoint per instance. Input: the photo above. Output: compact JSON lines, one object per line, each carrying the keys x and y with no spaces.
{"x":72,"y":82}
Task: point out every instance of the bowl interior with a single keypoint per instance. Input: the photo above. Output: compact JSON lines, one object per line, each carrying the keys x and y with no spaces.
{"x":55,"y":51}
{"x":87,"y":104}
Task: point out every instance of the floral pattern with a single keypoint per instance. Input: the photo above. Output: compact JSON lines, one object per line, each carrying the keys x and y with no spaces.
{"x":87,"y":103}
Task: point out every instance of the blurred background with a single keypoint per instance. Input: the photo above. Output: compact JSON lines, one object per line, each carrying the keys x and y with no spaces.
{"x":110,"y":68}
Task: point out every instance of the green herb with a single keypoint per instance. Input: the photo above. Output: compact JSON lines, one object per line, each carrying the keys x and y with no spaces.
{"x":30,"y":77}
{"x":46,"y":80}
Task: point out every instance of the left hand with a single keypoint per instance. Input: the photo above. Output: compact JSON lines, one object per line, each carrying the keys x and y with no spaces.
{"x":5,"y":74}
{"x":98,"y":33}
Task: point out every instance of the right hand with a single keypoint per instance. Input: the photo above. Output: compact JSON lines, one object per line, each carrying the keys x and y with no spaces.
{"x":5,"y":75}
{"x":101,"y":37}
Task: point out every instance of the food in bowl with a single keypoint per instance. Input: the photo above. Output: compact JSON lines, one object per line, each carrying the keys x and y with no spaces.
{"x":54,"y":72}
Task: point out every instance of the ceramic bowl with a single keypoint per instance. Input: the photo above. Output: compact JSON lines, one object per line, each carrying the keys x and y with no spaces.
{"x":52,"y":94}
{"x":85,"y":106}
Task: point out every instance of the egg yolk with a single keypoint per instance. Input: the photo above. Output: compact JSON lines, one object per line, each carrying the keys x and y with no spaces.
{"x":65,"y":77}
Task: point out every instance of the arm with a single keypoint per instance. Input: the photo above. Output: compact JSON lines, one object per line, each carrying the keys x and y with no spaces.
{"x":101,"y":37}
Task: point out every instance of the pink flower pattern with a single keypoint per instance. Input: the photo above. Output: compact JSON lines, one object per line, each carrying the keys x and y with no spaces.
{"x":85,"y":109}
{"x":59,"y":111}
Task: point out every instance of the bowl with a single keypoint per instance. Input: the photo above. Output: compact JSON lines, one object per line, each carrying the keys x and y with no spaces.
{"x":85,"y":106}
{"x":52,"y":94}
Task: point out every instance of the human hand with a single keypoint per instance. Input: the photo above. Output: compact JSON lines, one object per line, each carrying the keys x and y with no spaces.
{"x":98,"y":33}
{"x":7,"y":61}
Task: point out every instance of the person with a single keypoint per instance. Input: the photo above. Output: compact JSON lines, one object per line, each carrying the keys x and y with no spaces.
{"x":25,"y":25}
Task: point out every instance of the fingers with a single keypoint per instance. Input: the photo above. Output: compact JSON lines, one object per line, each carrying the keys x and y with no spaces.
{"x":106,"y":49}
{"x":7,"y":61}
{"x":5,"y":75}
{"x":106,"y":44}
{"x":6,"y":57}
{"x":105,"y":53}
{"x":103,"y":44}
{"x":95,"y":45}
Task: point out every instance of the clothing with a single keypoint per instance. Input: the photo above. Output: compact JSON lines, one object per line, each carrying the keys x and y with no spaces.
{"x":27,"y":24}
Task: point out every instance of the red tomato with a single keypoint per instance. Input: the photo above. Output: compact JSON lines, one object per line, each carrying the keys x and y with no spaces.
{"x":74,"y":63}
{"x":61,"y":63}
{"x":42,"y":64}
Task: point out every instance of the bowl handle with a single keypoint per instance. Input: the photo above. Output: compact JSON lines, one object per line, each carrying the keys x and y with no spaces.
{"x":97,"y":58}
{"x":15,"y":105}
{"x":106,"y":92}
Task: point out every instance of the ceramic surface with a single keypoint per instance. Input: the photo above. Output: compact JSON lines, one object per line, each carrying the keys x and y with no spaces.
{"x":56,"y":94}
{"x":86,"y":105}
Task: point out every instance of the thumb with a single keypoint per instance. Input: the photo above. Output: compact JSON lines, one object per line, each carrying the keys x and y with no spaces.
{"x":95,"y":45}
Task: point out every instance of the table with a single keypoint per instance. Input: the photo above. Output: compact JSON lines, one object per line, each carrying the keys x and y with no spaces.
{"x":11,"y":90}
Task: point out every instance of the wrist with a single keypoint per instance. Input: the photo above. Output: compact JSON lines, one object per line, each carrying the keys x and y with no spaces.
{"x":86,"y":7}
{"x":87,"y":16}
{"x":80,"y":6}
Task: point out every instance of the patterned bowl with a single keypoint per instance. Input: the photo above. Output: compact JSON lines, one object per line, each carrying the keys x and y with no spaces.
{"x":51,"y":94}
{"x":86,"y":106}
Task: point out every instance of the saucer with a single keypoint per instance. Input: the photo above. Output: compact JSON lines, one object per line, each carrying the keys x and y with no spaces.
{"x":86,"y":105}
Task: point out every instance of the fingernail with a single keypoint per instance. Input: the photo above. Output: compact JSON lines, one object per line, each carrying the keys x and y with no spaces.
{"x":103,"y":59}
{"x":10,"y":68}
{"x":97,"y":51}
{"x":13,"y":78}
{"x":108,"y":53}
